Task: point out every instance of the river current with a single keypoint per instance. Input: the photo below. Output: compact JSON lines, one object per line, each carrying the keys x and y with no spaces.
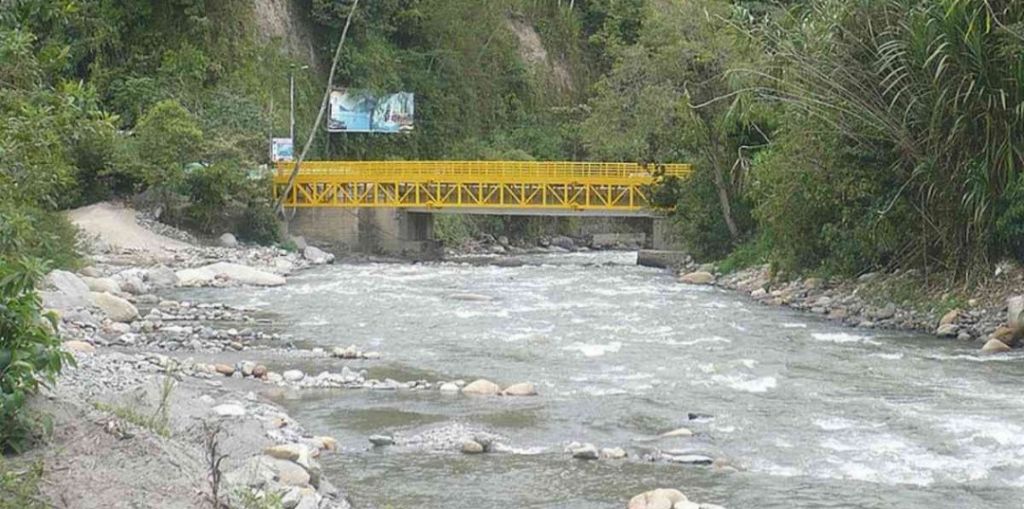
{"x":813,"y":414}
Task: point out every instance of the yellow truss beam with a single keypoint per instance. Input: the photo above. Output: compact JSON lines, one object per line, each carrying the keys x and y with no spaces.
{"x":511,"y":185}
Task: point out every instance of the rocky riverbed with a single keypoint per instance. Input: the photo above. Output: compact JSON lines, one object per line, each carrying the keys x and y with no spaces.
{"x":166,"y":404}
{"x":992,"y":318}
{"x":149,"y":416}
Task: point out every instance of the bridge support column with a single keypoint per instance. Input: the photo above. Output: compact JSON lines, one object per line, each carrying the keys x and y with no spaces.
{"x":665,"y":235}
{"x":407,"y":234}
{"x":387,"y":231}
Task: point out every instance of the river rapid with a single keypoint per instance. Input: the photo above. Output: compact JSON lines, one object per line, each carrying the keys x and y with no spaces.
{"x":814,"y":415}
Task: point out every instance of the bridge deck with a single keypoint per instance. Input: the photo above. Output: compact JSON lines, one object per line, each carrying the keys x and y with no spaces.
{"x":476,"y":186}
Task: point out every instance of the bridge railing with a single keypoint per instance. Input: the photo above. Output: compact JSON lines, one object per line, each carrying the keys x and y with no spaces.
{"x":437,"y":170}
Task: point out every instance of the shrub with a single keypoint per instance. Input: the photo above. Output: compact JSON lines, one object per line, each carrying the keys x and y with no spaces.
{"x":30,"y":351}
{"x":212,"y":192}
{"x":260,"y":224}
{"x":168,"y":137}
{"x":819,"y":204}
{"x":698,"y":215}
{"x":32,"y":232}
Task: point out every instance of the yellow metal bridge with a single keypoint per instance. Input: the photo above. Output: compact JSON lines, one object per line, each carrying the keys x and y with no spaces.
{"x":512,"y":187}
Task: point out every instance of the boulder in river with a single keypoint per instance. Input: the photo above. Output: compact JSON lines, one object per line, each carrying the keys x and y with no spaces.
{"x":317,"y":256}
{"x":293,"y":375}
{"x":583,"y":451}
{"x":472,"y":447}
{"x":698,"y":278}
{"x":229,"y":272}
{"x":657,"y":499}
{"x":227,"y":240}
{"x":381,"y":440}
{"x":1008,"y":335}
{"x":687,"y":459}
{"x":995,"y":346}
{"x":613,"y":453}
{"x":679,"y":432}
{"x":520,"y":389}
{"x":482,"y":387}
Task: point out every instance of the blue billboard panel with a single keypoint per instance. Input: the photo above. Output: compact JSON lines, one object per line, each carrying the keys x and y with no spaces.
{"x":360,"y":111}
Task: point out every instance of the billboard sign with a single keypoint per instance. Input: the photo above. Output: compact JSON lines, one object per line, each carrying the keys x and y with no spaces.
{"x":360,"y":111}
{"x":282,"y":150}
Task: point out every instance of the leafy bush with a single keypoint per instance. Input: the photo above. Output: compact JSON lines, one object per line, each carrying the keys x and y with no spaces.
{"x":260,"y":223}
{"x":32,"y":232}
{"x":1009,"y":228}
{"x":818,"y":205}
{"x":698,"y":215}
{"x":213,"y":192}
{"x":168,"y":138}
{"x":30,"y":351}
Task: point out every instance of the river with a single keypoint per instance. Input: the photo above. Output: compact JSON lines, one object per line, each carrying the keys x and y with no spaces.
{"x":815,"y":415}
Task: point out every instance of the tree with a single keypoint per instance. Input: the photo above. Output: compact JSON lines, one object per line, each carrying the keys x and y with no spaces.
{"x":671,"y":97}
{"x":168,"y":138}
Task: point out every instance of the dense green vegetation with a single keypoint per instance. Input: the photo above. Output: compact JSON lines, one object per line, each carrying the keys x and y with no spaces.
{"x":827,"y":135}
{"x":831,"y":135}
{"x":30,"y":352}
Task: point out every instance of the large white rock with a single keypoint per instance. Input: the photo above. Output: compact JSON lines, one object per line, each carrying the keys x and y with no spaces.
{"x":317,"y":256}
{"x":228,"y":240}
{"x":65,"y":291}
{"x":520,"y":389}
{"x":657,"y":499}
{"x":102,"y":284}
{"x":482,"y":387}
{"x":231,"y":272}
{"x":293,"y":375}
{"x":116,"y":308}
{"x":133,"y":281}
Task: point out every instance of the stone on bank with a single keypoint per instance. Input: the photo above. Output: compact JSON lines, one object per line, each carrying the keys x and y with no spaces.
{"x":116,"y":308}
{"x":698,"y":278}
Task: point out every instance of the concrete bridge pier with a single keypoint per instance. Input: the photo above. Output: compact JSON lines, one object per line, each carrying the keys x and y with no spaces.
{"x":664,"y":236}
{"x":386,"y":231}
